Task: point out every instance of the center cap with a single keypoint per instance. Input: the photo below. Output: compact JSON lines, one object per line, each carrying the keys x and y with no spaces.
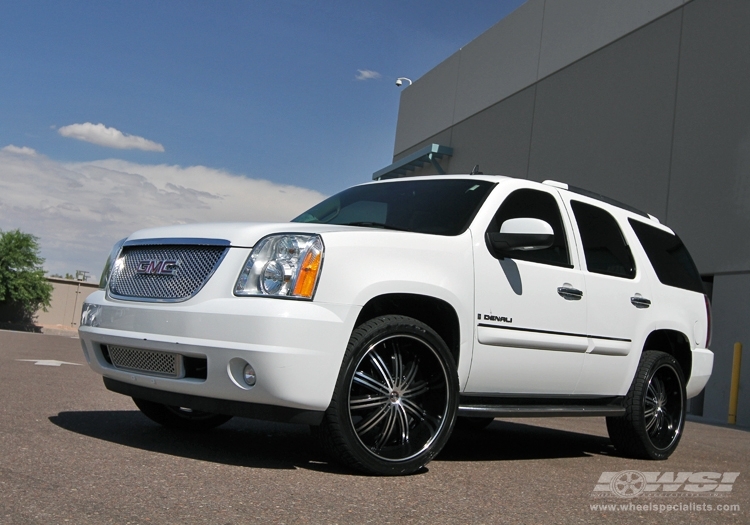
{"x":395,"y":397}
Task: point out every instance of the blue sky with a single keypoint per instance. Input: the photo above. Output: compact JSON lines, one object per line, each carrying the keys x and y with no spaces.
{"x":250,"y":90}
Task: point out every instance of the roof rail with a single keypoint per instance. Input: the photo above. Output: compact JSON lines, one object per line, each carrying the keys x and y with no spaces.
{"x":599,"y":197}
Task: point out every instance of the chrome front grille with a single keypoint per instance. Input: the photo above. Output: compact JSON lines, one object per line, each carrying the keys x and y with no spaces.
{"x":146,"y":361}
{"x":163,"y":272}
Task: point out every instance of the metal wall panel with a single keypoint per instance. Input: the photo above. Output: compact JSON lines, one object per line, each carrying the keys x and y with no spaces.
{"x":501,"y":61}
{"x":497,"y":139}
{"x":537,"y":39}
{"x":605,"y":122}
{"x":575,"y":28}
{"x":426,"y":107}
{"x":709,"y":197}
{"x":731,"y":310}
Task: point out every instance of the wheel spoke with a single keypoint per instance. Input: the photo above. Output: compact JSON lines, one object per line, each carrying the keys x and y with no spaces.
{"x":374,"y":418}
{"x":398,"y":364}
{"x":412,"y":407}
{"x":652,"y":396}
{"x":380,"y":366}
{"x":363,"y":379}
{"x":668,"y":421}
{"x":403,"y":420}
{"x":409,"y":376}
{"x":390,"y":424}
{"x":367,"y":401}
{"x":658,"y":389}
{"x":417,"y":389}
{"x":432,"y":423}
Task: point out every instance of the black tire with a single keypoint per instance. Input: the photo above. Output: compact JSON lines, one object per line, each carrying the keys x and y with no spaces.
{"x":395,"y":400}
{"x":179,"y":417}
{"x":654,"y":410}
{"x":473,"y":424}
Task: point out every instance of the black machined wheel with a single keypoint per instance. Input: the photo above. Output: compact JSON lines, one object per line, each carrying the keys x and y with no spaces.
{"x":655,"y":409}
{"x":180,"y":417}
{"x":663,"y":407}
{"x":398,"y":397}
{"x":395,"y":401}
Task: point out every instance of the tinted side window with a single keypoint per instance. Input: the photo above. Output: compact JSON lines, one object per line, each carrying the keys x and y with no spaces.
{"x":669,"y":257}
{"x":603,"y":244}
{"x":535,"y":205}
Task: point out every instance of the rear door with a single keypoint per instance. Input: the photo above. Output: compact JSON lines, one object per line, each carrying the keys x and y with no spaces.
{"x":619,"y":296}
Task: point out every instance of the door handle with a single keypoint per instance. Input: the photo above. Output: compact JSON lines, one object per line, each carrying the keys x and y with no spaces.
{"x":640,"y":302}
{"x":570,"y":294}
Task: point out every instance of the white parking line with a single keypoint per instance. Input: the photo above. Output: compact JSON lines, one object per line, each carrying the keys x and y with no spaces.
{"x":48,"y":362}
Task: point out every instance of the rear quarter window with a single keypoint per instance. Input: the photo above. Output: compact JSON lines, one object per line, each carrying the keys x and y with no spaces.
{"x":669,"y":257}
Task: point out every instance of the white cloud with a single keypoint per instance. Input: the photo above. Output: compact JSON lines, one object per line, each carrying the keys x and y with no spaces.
{"x":23,"y":150}
{"x":367,"y":74}
{"x":78,"y":211}
{"x":101,"y":135}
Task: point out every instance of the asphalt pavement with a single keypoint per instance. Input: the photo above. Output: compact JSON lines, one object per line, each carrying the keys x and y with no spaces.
{"x":73,"y":452}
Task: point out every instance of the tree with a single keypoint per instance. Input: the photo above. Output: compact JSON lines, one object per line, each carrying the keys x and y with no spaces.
{"x":23,"y":287}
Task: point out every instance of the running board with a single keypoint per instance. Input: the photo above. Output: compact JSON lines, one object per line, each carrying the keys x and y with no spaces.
{"x":504,"y":405}
{"x":539,"y":411}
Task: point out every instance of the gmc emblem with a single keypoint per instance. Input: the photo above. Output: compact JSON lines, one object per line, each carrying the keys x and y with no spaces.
{"x":157,"y":267}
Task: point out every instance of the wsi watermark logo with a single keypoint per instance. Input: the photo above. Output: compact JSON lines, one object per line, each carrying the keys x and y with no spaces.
{"x":633,"y":483}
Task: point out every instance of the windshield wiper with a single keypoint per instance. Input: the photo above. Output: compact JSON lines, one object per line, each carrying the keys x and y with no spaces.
{"x":370,"y":224}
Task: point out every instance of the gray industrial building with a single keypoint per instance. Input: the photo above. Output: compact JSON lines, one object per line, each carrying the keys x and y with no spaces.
{"x":645,"y":101}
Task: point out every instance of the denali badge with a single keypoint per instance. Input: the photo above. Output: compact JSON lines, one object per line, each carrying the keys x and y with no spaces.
{"x":156,"y":267}
{"x":495,"y":318}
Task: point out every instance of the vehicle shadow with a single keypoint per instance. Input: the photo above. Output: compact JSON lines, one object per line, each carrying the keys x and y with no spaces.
{"x":513,"y":441}
{"x":240,"y":442}
{"x":259,"y":444}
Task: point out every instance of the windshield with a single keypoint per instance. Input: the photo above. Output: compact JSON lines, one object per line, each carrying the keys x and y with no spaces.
{"x":441,"y":207}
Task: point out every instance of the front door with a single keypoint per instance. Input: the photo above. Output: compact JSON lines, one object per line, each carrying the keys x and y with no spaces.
{"x":530,"y":316}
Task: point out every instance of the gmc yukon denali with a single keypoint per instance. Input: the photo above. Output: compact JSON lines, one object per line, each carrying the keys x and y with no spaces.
{"x":394,"y":311}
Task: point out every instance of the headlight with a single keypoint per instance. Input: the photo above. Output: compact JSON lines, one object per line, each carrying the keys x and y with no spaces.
{"x":104,"y":279}
{"x":285,"y":265}
{"x":90,"y":314}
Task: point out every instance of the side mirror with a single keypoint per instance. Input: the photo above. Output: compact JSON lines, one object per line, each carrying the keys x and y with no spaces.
{"x":523,"y":234}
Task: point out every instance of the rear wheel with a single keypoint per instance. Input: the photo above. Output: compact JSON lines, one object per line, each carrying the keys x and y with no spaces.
{"x":395,"y":401}
{"x":180,"y":417}
{"x":654,"y":410}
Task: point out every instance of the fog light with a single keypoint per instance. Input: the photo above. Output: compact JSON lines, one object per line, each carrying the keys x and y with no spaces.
{"x":248,"y":374}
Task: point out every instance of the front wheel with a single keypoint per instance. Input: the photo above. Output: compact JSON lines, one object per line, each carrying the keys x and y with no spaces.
{"x":395,"y":400}
{"x":180,"y":417}
{"x":654,"y":410}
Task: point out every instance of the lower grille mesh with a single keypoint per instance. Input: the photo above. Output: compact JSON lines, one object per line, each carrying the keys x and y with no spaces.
{"x":146,"y":361}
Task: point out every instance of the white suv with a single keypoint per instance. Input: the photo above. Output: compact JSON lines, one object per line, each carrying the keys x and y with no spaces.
{"x":392,"y":310}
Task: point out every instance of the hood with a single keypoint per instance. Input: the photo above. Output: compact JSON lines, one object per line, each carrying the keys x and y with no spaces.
{"x":239,"y":234}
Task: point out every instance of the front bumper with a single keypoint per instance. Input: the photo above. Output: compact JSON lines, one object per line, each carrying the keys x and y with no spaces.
{"x":295,"y":347}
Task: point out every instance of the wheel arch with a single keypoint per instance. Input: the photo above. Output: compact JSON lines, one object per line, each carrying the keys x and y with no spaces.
{"x":435,"y":313}
{"x":674,"y":343}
